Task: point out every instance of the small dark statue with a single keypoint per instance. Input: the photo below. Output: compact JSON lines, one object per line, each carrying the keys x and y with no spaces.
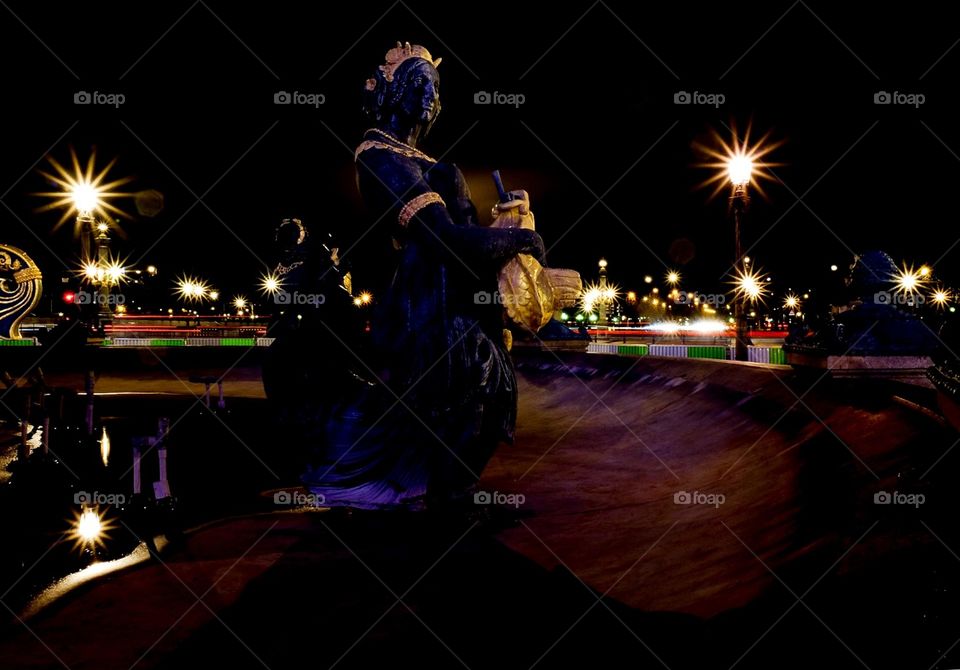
{"x":431,"y":390}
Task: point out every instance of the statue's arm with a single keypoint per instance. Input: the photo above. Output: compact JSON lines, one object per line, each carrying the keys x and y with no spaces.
{"x":399,"y":185}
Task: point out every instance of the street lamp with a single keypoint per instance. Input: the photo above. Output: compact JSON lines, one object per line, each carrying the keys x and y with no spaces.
{"x":740,"y":164}
{"x":86,"y":194}
{"x":740,"y":172}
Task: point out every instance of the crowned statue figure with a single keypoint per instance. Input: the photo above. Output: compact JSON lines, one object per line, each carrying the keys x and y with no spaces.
{"x":437,"y":393}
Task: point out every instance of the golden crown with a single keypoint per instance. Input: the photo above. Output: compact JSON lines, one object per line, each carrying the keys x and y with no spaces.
{"x":402,"y":52}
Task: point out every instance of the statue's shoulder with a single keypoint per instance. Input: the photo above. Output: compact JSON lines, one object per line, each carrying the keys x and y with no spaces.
{"x":383,"y":147}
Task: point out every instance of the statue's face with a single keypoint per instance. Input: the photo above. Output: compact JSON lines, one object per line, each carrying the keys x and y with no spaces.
{"x":421,"y":98}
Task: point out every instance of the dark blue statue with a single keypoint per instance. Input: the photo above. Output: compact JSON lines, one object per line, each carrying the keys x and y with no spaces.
{"x":431,"y":390}
{"x":874,"y":322}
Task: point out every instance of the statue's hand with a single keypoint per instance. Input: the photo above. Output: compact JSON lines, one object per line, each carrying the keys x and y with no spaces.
{"x":515,"y":213}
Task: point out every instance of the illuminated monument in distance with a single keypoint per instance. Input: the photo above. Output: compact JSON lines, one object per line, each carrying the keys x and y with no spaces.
{"x":21,"y":285}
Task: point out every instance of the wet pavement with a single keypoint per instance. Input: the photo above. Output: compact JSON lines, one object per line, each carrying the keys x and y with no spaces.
{"x":680,"y":514}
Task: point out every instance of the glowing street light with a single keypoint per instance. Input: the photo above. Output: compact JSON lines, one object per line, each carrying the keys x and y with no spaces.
{"x":941,"y":297}
{"x":908,"y":282}
{"x":270,"y":284}
{"x":240,"y":303}
{"x":673,"y":277}
{"x":89,"y":529}
{"x":83,"y":191}
{"x":749,"y":286}
{"x":740,"y":164}
{"x":740,"y":168}
{"x":192,"y":289}
{"x":791,"y":301}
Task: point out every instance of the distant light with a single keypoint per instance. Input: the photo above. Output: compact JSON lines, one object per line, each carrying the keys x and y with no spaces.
{"x":104,"y":449}
{"x":239,"y":302}
{"x":749,"y":286}
{"x":924,"y":271}
{"x":152,"y":269}
{"x":564,"y":316}
{"x":366,"y":297}
{"x":91,"y":271}
{"x":85,"y":197}
{"x":941,"y":297}
{"x":88,"y":527}
{"x":697,"y":326}
{"x":602,"y":263}
{"x":739,"y":169}
{"x":746,"y":259}
{"x":102,"y":227}
{"x":673,"y":277}
{"x":214,"y":295}
{"x":192,"y":289}
{"x":833,"y":268}
{"x":115,"y":272}
{"x":631,"y":296}
{"x":908,"y":281}
{"x":270,"y":284}
{"x":648,"y":279}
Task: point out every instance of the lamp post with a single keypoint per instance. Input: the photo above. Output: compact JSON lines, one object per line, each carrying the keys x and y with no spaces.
{"x":604,"y":290}
{"x":741,"y":163}
{"x":104,"y":273}
{"x":739,"y":172}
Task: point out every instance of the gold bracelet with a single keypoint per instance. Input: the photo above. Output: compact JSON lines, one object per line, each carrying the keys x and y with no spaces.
{"x":416,"y":204}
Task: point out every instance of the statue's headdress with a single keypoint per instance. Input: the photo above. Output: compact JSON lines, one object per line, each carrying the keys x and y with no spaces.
{"x":398,"y":55}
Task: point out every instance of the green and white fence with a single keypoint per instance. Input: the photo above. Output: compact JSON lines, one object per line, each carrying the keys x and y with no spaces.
{"x":769,"y":355}
{"x":188,"y":342}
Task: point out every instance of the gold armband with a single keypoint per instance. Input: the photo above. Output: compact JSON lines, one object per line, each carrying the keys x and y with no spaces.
{"x":416,"y":204}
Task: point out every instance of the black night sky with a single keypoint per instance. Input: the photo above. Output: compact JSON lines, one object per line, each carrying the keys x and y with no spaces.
{"x":598,"y":121}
